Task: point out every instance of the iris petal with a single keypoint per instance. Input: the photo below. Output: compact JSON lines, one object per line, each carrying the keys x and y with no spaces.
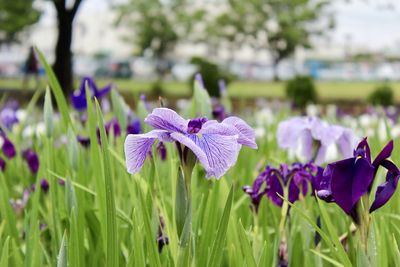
{"x":350,"y":179}
{"x":136,"y":147}
{"x":385,"y":191}
{"x":166,"y":119}
{"x":247,"y":135}
{"x":217,"y":153}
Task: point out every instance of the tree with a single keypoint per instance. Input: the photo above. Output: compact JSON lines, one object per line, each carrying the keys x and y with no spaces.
{"x":157,"y":26}
{"x":16,"y":16}
{"x":279,"y":26}
{"x":63,"y":55}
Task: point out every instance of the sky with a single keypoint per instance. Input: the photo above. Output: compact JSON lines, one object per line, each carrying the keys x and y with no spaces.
{"x":369,"y":24}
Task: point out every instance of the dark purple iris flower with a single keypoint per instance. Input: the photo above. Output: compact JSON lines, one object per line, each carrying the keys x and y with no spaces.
{"x":44,"y":184}
{"x":218,"y":112}
{"x":134,"y":126}
{"x":216,"y":145}
{"x":32,"y":159}
{"x":2,"y":164}
{"x":83,"y":140}
{"x":78,"y":98}
{"x":346,"y":181}
{"x":271,"y":182}
{"x":8,"y":147}
{"x":162,"y":151}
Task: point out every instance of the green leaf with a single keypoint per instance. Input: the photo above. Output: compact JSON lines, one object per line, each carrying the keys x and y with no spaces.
{"x":56,"y":88}
{"x":4,"y":253}
{"x":111,"y":233}
{"x":201,"y":101}
{"x":246,"y":247}
{"x":62,"y":258}
{"x":120,"y":108}
{"x":218,"y":244}
{"x":48,"y":114}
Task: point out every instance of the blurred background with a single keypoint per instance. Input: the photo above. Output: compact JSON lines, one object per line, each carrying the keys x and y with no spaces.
{"x":346,"y":48}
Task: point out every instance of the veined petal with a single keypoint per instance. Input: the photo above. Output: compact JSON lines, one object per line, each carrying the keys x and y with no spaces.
{"x":217,"y":153}
{"x":247,"y":136}
{"x":166,"y":119}
{"x":136,"y":148}
{"x":350,"y":179}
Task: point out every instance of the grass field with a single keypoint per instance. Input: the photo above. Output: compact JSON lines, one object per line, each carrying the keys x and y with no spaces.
{"x":327,"y":90}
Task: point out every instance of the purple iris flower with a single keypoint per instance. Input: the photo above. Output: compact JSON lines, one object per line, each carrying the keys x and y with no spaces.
{"x":313,"y":137}
{"x":271,"y":182}
{"x":44,"y":184}
{"x":32,"y":159}
{"x":162,"y":151}
{"x":216,"y":145}
{"x":134,"y":126}
{"x":8,"y":147}
{"x":83,"y":140}
{"x":2,"y":164}
{"x":8,"y":117}
{"x":218,"y":112}
{"x":78,"y":98}
{"x":346,"y":181}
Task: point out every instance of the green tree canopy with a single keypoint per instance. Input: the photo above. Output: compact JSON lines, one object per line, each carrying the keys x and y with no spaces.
{"x":157,"y":25}
{"x":15,"y":16}
{"x":279,"y":26}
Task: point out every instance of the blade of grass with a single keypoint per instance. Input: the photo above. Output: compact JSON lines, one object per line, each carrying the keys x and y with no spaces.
{"x":111,"y":233}
{"x":57,"y":91}
{"x":62,"y":258}
{"x":217,"y":247}
{"x":4,"y":253}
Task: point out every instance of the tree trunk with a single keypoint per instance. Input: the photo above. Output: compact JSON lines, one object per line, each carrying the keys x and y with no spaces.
{"x":63,"y":55}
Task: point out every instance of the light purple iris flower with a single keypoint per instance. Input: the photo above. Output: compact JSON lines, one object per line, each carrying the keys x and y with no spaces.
{"x":310,"y":133}
{"x":216,"y":145}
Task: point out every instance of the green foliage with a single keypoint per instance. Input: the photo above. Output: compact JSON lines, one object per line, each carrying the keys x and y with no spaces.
{"x":301,"y":91}
{"x":15,"y":16}
{"x":277,"y":26}
{"x":104,"y":216}
{"x":211,"y":74}
{"x":383,"y":95}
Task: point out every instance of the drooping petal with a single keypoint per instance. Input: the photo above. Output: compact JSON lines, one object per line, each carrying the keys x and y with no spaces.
{"x":136,"y":148}
{"x":247,"y":136}
{"x":289,"y":132}
{"x":166,"y":119}
{"x":217,"y":153}
{"x":385,"y":191}
{"x":350,"y":179}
